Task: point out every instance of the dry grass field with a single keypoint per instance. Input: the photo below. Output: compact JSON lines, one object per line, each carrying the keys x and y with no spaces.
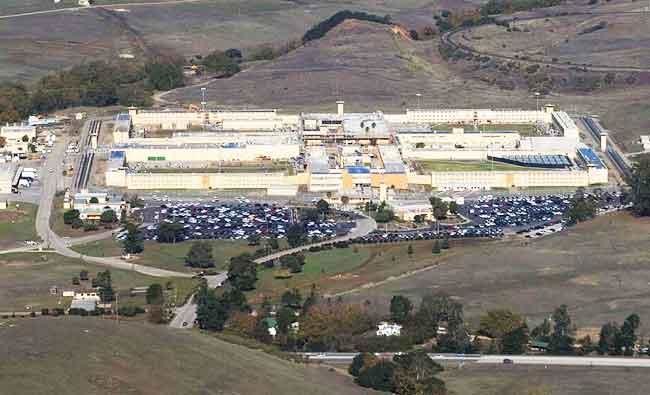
{"x":17,"y":224}
{"x":599,"y":269}
{"x":476,"y":379}
{"x":74,"y":355}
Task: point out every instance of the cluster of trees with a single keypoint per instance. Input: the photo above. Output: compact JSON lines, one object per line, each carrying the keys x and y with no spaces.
{"x":133,"y":243}
{"x":104,"y":284}
{"x":411,"y":373}
{"x":508,"y":330}
{"x":582,"y":209}
{"x":200,"y":255}
{"x":494,"y":7}
{"x":224,"y":63}
{"x":330,"y":23}
{"x":615,"y":340}
{"x":640,"y":183}
{"x":71,"y":217}
{"x":382,"y":212}
{"x":155,"y":300}
{"x":293,"y":263}
{"x":97,"y":83}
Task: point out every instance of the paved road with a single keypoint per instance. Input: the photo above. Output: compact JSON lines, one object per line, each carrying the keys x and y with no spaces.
{"x":72,"y":9}
{"x":50,"y":183}
{"x":498,"y":359}
{"x":187,"y":312}
{"x":364,"y":226}
{"x":450,"y":39}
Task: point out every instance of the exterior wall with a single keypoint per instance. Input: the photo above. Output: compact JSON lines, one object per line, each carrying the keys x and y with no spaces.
{"x":510,"y":179}
{"x":398,"y":181}
{"x":205,"y":181}
{"x":180,"y":153}
{"x":16,"y":132}
{"x":470,"y":116}
{"x":475,"y":140}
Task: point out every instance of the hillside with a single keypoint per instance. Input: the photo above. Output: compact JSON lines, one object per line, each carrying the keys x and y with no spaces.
{"x":92,"y":356}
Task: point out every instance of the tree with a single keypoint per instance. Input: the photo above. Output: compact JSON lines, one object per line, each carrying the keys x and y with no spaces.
{"x":626,"y":339}
{"x":83,"y":275}
{"x":384,"y":215}
{"x":542,"y":332}
{"x":273,"y":243}
{"x":200,"y":255}
{"x":75,"y":280}
{"x":220,"y":62}
{"x":345,"y":200}
{"x":561,"y":341}
{"x":211,"y":314}
{"x":436,"y":247}
{"x":400,"y":308}
{"x":285,"y":317}
{"x":409,"y":250}
{"x":94,"y":200}
{"x":70,"y":216}
{"x":235,"y":300}
{"x":515,"y":341}
{"x":133,"y":243}
{"x":415,"y":374}
{"x":293,"y":262}
{"x":295,"y":235}
{"x":453,"y":207}
{"x":108,"y":217}
{"x":233,"y":53}
{"x":581,"y":209}
{"x":607,"y":339}
{"x":292,"y":299}
{"x":104,"y":282}
{"x":170,"y":232}
{"x":640,"y":184}
{"x":242,"y":272}
{"x":497,"y":323}
{"x":254,"y":240}
{"x":323,"y":207}
{"x":439,"y":208}
{"x":445,"y":243}
{"x":164,"y":76}
{"x":155,"y":294}
{"x":362,"y":361}
{"x":378,"y":376}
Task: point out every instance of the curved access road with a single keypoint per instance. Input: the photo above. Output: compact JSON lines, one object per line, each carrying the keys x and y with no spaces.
{"x":114,"y":5}
{"x":364,"y":226}
{"x":449,"y":38}
{"x":51,"y":180}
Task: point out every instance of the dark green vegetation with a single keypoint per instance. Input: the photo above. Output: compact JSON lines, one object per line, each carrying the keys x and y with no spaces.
{"x":641,"y":186}
{"x":493,"y":7}
{"x":97,"y":83}
{"x":330,"y":23}
{"x":413,"y":373}
{"x":89,"y":355}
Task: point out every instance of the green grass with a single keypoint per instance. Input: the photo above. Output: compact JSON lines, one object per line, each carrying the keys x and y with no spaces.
{"x":89,"y":355}
{"x":17,"y":224}
{"x":168,"y":256}
{"x":26,"y":278}
{"x":460,"y":165}
{"x":319,"y":266}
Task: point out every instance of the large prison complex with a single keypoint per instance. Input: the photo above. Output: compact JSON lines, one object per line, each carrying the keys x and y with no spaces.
{"x":348,"y":153}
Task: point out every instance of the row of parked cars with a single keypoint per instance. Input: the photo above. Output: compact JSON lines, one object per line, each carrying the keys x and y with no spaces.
{"x":236,"y":221}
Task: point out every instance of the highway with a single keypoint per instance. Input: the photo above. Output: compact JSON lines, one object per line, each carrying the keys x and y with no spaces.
{"x":498,"y":359}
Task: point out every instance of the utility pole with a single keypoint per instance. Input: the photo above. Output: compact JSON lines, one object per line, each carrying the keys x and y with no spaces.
{"x":419,"y":96}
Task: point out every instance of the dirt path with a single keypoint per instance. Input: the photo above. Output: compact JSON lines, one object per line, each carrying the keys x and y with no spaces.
{"x":118,"y":5}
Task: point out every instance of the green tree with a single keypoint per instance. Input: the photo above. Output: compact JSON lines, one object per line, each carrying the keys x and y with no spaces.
{"x":108,"y":217}
{"x":170,"y":232}
{"x":561,"y":341}
{"x":295,"y":235}
{"x":83,"y":275}
{"x":293,"y":262}
{"x":384,"y":215}
{"x":416,"y":374}
{"x":515,"y":341}
{"x":400,"y":308}
{"x":640,"y":184}
{"x":436,"y":247}
{"x":273,"y":243}
{"x":581,"y":209}
{"x":211,"y":314}
{"x":70,"y":216}
{"x":626,"y":339}
{"x":221,"y":63}
{"x":200,"y":255}
{"x":94,"y":200}
{"x":242,"y":272}
{"x":496,"y":323}
{"x":104,"y":282}
{"x":362,"y":361}
{"x":323,"y":207}
{"x":292,"y":299}
{"x":378,"y":376}
{"x":164,"y":76}
{"x":254,"y":240}
{"x":409,"y":250}
{"x":133,"y":243}
{"x":155,"y":294}
{"x":439,"y":208}
{"x":285,"y":317}
{"x":542,"y":332}
{"x":453,"y":207}
{"x":606,"y":341}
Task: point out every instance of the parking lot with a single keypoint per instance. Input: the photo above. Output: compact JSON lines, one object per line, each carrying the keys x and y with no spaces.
{"x":492,"y":217}
{"x":235,"y":221}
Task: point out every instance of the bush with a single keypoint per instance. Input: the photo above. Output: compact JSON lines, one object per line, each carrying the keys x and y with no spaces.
{"x":45,"y":311}
{"x":130,"y":311}
{"x":330,"y":23}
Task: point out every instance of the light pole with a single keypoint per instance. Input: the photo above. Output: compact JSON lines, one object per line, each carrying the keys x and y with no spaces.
{"x":537,"y":99}
{"x":419,"y":96}
{"x":203,"y":103}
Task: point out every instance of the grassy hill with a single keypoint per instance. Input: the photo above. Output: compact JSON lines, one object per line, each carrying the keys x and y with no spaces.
{"x":74,"y":355}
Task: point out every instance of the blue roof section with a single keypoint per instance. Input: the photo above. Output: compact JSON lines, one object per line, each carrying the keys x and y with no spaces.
{"x":592,"y":159}
{"x":358,"y":170}
{"x":117,"y":155}
{"x":123,"y":117}
{"x":542,"y":161}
